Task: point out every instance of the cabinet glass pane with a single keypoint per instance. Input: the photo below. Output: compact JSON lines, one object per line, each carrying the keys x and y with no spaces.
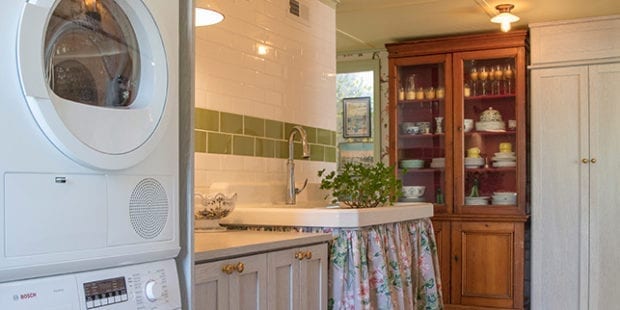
{"x":489,"y":132}
{"x":421,"y":133}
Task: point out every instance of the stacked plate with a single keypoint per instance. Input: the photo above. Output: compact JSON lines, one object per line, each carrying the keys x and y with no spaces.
{"x":412,"y":163}
{"x":477,"y":201}
{"x":504,"y":159}
{"x":438,"y":162}
{"x":504,"y":198}
{"x":474,"y":162}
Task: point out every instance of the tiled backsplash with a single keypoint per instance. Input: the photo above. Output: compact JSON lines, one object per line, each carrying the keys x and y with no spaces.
{"x":233,"y":134}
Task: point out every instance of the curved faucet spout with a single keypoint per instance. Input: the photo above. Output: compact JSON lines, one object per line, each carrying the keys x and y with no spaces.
{"x":291,"y":191}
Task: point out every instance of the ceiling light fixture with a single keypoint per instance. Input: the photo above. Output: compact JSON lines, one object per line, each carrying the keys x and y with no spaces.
{"x":504,"y":18}
{"x":208,"y":16}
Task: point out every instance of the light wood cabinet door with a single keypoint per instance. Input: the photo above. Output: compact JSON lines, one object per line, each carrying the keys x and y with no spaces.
{"x":487,"y":267}
{"x":442,"y":237}
{"x":233,"y":284}
{"x":560,"y":189}
{"x":604,"y":198}
{"x":298,"y":278}
{"x":313,"y":278}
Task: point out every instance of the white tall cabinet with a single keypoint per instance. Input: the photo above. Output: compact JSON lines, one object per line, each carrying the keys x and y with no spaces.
{"x":575,"y":164}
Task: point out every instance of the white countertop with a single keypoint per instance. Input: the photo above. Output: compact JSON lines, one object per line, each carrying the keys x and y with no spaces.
{"x":318,"y":215}
{"x":209,"y":246}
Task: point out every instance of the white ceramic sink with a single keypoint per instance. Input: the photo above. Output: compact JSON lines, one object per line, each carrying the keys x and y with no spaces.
{"x":319,"y":214}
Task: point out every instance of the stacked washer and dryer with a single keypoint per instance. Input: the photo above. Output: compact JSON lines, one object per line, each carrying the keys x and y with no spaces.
{"x":89,"y":214}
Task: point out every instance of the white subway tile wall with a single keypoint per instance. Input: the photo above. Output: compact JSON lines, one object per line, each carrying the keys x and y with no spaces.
{"x":293,"y":82}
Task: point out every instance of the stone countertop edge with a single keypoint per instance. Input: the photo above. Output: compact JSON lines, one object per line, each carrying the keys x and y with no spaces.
{"x":211,"y":246}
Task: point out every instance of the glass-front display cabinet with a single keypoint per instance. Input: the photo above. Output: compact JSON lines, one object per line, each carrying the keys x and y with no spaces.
{"x":490,"y":146}
{"x":422,"y":111}
{"x":458,"y":137}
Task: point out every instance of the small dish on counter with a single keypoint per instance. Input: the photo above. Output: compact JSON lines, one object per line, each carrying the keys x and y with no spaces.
{"x":212,"y":209}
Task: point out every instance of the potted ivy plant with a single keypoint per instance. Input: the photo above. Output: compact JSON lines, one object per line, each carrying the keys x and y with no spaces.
{"x":359,"y":185}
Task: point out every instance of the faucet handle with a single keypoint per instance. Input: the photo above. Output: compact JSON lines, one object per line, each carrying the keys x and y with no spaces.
{"x":299,"y":190}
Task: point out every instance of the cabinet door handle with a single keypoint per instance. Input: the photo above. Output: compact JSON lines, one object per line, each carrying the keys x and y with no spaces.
{"x":299,"y":255}
{"x":240,"y":267}
{"x":308,"y":254}
{"x":593,"y":160}
{"x":228,"y":269}
{"x":584,"y":160}
{"x":456,"y":258}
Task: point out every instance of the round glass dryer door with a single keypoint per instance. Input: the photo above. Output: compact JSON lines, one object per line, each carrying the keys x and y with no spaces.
{"x":95,"y":78}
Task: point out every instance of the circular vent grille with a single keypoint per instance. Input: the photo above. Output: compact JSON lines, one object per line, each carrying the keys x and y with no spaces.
{"x":148,"y":208}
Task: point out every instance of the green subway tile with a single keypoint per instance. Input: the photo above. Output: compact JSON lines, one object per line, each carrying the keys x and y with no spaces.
{"x":287,"y":131}
{"x":231,"y":123}
{"x":324,"y":136}
{"x":274,"y":129}
{"x":333,"y":138}
{"x":218,"y":143}
{"x":253,"y":126}
{"x":311,"y":133}
{"x":243,"y":145}
{"x":317,"y":152}
{"x":281,"y":149}
{"x":207,"y":119}
{"x":265,"y":147}
{"x":200,"y":141}
{"x":330,"y":154}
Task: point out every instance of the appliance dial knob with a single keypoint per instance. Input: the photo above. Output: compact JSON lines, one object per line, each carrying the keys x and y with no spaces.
{"x":152,"y":290}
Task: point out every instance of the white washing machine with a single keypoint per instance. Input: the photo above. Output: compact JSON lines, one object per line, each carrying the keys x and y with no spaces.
{"x":89,"y":157}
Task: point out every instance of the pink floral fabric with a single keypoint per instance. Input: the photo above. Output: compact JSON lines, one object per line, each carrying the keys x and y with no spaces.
{"x":389,"y":266}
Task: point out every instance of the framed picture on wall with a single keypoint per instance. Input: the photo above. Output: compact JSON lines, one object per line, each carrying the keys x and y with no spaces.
{"x":356,"y":117}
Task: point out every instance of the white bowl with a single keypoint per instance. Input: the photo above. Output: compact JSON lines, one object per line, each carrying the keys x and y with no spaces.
{"x":413,"y":191}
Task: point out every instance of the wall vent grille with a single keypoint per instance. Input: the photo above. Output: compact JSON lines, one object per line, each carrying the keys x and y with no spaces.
{"x":294,"y":7}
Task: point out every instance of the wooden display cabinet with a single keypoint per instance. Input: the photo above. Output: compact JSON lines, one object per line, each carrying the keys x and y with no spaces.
{"x":474,"y":172}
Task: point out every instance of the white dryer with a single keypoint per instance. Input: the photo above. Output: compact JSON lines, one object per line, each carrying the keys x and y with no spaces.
{"x":89,"y":133}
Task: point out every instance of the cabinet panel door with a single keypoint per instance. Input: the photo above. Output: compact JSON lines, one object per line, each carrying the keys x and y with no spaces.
{"x":283,"y":279}
{"x":485,"y":264}
{"x":604,"y":186}
{"x":442,"y":237}
{"x":559,"y":140}
{"x":313,"y":278}
{"x":211,"y":288}
{"x":247,"y":289}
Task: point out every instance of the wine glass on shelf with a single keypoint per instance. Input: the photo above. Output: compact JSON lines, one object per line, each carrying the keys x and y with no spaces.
{"x":508,"y":73}
{"x":499,"y":75}
{"x":483,"y":75}
{"x":473,"y":76}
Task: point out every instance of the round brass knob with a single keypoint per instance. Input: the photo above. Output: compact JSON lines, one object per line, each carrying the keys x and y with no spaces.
{"x":593,"y":160}
{"x":584,"y":160}
{"x":240,"y":267}
{"x":308,"y":255}
{"x":228,"y":269}
{"x":299,"y":255}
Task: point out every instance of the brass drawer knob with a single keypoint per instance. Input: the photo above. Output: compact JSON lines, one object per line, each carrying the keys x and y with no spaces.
{"x":240,"y":267}
{"x":593,"y":160}
{"x":308,"y":255}
{"x":584,"y":160}
{"x":228,"y":269}
{"x":299,"y":255}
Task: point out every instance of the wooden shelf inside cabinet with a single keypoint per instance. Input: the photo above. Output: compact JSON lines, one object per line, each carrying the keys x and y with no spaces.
{"x":420,"y":101}
{"x":420,"y":136}
{"x":423,"y":170}
{"x":491,"y":169}
{"x":489,"y":97}
{"x":492,"y":133}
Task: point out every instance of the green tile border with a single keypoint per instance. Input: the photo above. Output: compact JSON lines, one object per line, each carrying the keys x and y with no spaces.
{"x":235,"y":134}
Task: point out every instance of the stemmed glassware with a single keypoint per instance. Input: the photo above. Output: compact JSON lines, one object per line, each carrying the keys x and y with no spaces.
{"x":499,"y":75}
{"x":473,"y":75}
{"x":483,"y":75}
{"x":508,"y":73}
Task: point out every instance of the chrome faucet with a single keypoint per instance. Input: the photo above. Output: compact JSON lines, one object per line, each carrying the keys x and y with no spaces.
{"x":291,"y":191}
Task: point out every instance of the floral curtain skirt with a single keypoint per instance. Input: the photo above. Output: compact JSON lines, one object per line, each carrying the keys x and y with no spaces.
{"x":388,"y":266}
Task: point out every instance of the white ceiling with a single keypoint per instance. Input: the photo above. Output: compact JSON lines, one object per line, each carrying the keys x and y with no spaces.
{"x":369,"y":24}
